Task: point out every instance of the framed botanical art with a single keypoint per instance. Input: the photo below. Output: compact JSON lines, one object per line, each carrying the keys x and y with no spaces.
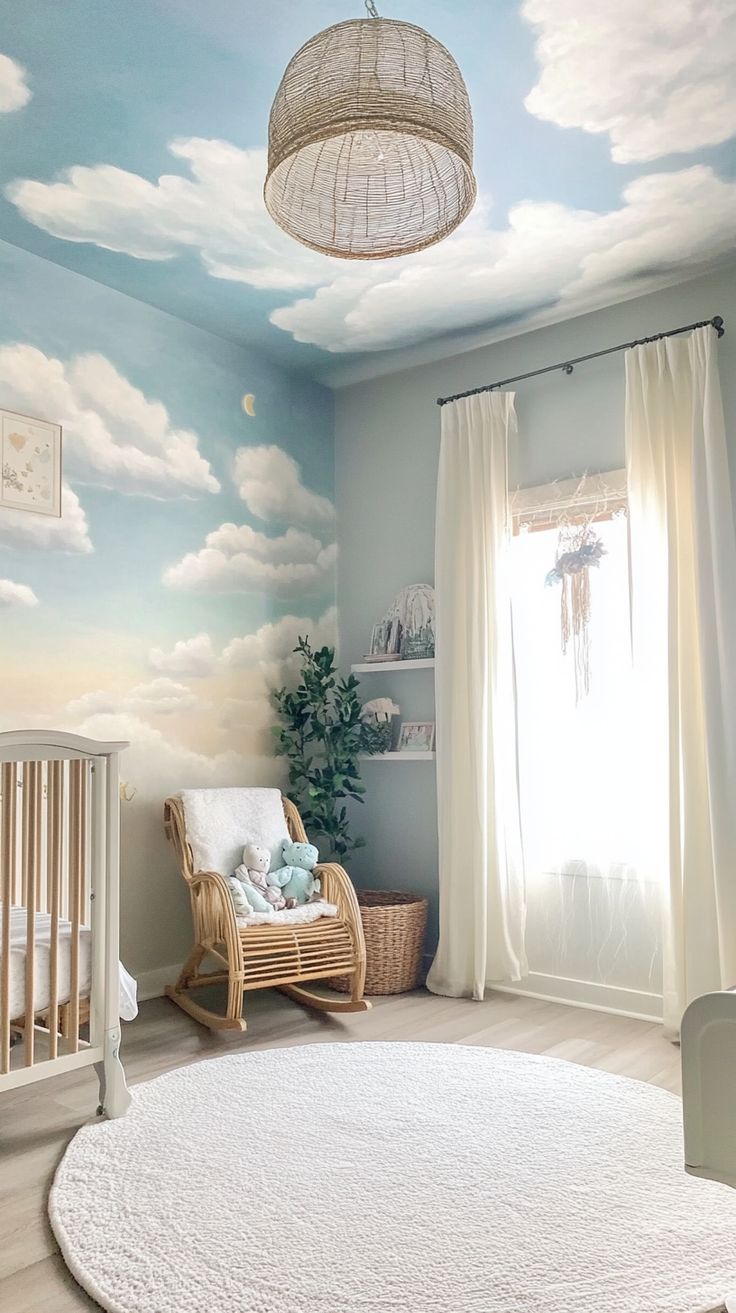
{"x":31,"y":464}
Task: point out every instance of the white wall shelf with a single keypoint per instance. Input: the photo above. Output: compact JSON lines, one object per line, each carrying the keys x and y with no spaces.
{"x":398,"y":756}
{"x":388,"y":667}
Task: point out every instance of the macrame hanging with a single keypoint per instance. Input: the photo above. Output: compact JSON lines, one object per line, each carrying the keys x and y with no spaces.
{"x":578,"y":549}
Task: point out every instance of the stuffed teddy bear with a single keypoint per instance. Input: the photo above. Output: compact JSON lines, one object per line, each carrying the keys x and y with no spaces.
{"x":296,"y":877}
{"x":257,"y":861}
{"x":250,"y":890}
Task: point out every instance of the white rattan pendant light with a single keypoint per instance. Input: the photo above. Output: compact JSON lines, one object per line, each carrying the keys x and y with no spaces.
{"x":370,"y":141}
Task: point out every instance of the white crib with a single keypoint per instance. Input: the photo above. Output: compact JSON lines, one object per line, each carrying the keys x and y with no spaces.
{"x":59,"y":911}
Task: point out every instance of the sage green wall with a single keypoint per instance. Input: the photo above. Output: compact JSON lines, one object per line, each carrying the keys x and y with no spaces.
{"x":387,"y":442}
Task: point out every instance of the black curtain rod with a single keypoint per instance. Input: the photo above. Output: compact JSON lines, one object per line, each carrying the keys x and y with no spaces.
{"x":568,"y":365}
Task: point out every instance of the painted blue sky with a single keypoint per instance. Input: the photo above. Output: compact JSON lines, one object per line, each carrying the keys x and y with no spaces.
{"x":604,"y":155}
{"x":142,"y":519}
{"x":196,"y":541}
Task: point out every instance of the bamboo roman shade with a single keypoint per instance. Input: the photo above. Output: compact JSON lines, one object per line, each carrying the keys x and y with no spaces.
{"x":591,"y":497}
{"x":370,"y":144}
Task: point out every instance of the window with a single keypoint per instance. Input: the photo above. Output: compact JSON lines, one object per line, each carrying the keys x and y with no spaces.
{"x":580,"y":803}
{"x":593,"y":913}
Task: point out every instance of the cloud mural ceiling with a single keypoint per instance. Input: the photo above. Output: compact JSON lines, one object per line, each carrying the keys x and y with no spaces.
{"x":659,"y":78}
{"x":604,"y":154}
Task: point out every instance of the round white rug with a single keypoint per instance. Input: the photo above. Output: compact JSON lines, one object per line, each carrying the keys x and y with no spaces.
{"x":393,"y":1178}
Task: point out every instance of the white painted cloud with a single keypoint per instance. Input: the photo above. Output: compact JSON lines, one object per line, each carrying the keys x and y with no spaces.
{"x":548,"y":254}
{"x":665,"y":212}
{"x":113,"y":435}
{"x":66,"y":534}
{"x":658,"y":77}
{"x":252,"y":714}
{"x":275,"y":643}
{"x":14,"y":89}
{"x":270,"y":483}
{"x":12,"y":594}
{"x":237,"y":558}
{"x":268,"y":653}
{"x":481,"y":275}
{"x":161,"y":697}
{"x":190,"y":657}
{"x":218,"y":212}
{"x":156,"y":766}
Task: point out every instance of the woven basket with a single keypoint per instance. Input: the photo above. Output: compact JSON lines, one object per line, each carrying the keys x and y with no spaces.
{"x":394,"y":925}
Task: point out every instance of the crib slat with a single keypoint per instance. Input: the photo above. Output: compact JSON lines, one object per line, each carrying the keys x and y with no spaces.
{"x":8,"y":835}
{"x":54,"y":861}
{"x":77,"y":858}
{"x":32,"y":796}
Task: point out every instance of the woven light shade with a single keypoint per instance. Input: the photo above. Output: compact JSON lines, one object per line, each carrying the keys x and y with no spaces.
{"x":370,"y":142}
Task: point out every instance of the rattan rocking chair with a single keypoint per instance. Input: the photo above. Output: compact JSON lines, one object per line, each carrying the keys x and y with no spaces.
{"x":266,"y":956}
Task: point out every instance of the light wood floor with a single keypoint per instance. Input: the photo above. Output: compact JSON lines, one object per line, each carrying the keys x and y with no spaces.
{"x":36,"y":1123}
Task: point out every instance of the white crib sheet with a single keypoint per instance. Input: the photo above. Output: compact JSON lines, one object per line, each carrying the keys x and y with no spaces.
{"x":42,"y":960}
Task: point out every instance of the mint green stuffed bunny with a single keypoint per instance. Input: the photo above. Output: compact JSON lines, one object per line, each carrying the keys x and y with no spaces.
{"x":237,"y":892}
{"x":296,"y":875}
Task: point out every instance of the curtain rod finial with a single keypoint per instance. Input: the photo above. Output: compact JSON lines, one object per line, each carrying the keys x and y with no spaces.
{"x":717,"y":323}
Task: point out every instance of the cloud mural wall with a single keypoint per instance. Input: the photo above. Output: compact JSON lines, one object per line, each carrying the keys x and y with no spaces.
{"x":114,"y":435}
{"x":14,"y":89}
{"x":196,"y":543}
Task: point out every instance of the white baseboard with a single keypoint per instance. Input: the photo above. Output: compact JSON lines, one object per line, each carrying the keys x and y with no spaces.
{"x":634,"y":1003}
{"x":151,"y":983}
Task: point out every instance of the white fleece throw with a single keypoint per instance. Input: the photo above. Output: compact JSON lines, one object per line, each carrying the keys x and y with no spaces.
{"x":399,"y":1178}
{"x":221,"y":821}
{"x":301,"y":915}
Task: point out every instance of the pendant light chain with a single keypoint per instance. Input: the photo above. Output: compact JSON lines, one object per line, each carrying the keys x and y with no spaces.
{"x":372,"y":11}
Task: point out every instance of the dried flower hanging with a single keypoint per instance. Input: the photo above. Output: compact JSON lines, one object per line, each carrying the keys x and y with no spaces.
{"x":578,"y":548}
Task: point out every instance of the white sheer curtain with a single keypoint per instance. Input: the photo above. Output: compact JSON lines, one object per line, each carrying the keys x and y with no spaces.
{"x":480,"y":860}
{"x":592,"y":916}
{"x":683,"y":553}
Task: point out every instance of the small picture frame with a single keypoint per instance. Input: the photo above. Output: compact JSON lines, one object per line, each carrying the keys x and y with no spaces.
{"x":416,"y":736}
{"x":30,"y":464}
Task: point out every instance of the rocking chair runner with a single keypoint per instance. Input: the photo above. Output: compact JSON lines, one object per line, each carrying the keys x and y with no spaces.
{"x":266,"y":956}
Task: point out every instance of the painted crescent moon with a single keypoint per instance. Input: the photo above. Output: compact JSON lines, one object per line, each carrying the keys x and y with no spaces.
{"x":249,"y":403}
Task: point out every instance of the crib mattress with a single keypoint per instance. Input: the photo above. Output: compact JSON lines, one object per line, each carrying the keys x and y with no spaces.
{"x":42,"y":965}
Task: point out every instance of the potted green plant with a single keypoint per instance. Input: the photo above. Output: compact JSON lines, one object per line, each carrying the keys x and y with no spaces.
{"x":322,"y":734}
